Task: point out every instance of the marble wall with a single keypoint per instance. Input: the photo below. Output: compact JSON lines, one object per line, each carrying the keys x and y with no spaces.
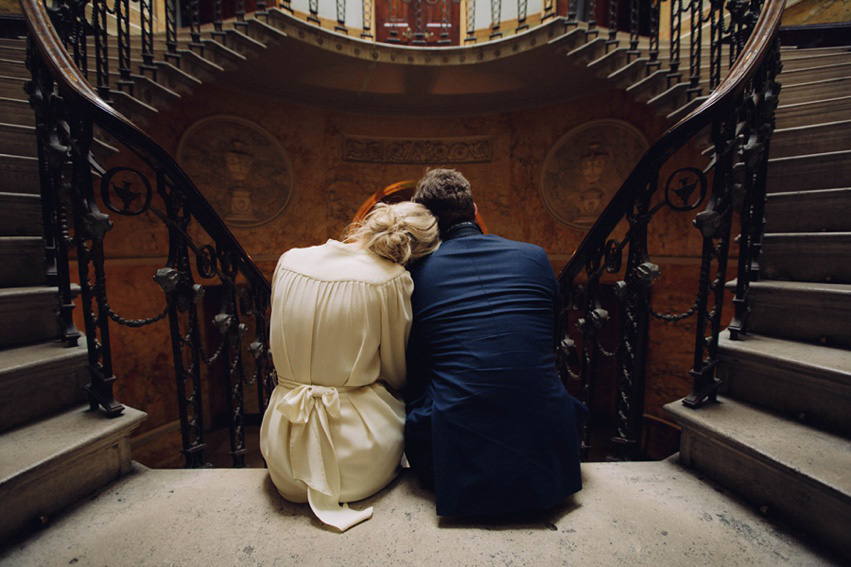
{"x":327,"y":191}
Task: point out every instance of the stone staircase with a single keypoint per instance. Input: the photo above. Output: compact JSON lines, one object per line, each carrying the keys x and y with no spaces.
{"x":53,"y":452}
{"x":781,"y":432}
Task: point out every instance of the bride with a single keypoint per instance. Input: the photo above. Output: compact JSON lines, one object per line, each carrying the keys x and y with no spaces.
{"x":341,"y":314}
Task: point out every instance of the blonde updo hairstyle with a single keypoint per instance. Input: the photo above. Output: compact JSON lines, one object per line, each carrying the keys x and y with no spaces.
{"x":401,"y":232}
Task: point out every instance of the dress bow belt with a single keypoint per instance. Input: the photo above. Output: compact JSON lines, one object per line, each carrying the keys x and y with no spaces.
{"x":309,"y":407}
{"x":300,"y":401}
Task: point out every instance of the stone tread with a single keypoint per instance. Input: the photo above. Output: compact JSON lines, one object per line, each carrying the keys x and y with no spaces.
{"x":33,"y":447}
{"x":814,"y":457}
{"x":832,"y":364}
{"x":40,"y":355}
{"x":628,"y":514}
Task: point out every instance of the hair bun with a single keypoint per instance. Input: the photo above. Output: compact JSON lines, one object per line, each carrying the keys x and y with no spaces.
{"x":401,"y":232}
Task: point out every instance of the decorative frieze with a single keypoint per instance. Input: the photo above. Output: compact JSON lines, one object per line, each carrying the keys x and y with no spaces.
{"x":428,"y":151}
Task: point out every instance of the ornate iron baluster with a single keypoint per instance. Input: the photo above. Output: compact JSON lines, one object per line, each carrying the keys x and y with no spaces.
{"x":571,"y":10}
{"x":341,"y":16}
{"x":394,"y":21}
{"x":217,"y":19}
{"x":171,"y":28}
{"x":634,"y":29}
{"x":444,"y":23}
{"x":146,"y":14}
{"x":754,"y":136}
{"x":613,"y":25}
{"x":122,"y":16}
{"x":592,"y":19}
{"x":653,"y":47}
{"x":695,"y":47}
{"x":366,"y":5}
{"x":676,"y":26}
{"x":716,"y":42}
{"x":240,"y":13}
{"x":522,"y":8}
{"x":471,"y":21}
{"x":99,"y":28}
{"x":313,"y":11}
{"x":496,"y":18}
{"x":195,"y":22}
{"x":549,"y":9}
{"x":53,"y":154}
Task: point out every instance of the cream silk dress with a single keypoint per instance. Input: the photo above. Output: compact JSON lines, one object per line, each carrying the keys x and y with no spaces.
{"x":334,"y":430}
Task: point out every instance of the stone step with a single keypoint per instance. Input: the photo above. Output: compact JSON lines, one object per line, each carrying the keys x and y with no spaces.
{"x":14,"y":52}
{"x":41,"y":379}
{"x":833,"y":58}
{"x":652,"y":85}
{"x":807,"y":172}
{"x":20,"y":215}
{"x":132,"y":108}
{"x":811,"y":139}
{"x":811,"y":383}
{"x":150,"y":92}
{"x":51,"y":464}
{"x":815,"y":90}
{"x":816,"y":72}
{"x":803,"y":113}
{"x":809,"y":211}
{"x":796,"y":472}
{"x":670,"y":100}
{"x":18,"y":140}
{"x":630,"y":73}
{"x":636,"y":514}
{"x":195,"y":65}
{"x":802,"y":311}
{"x":22,"y":261}
{"x":239,"y":42}
{"x":263,"y":32}
{"x":12,"y":87}
{"x":19,"y":174}
{"x":588,"y":52}
{"x":219,"y":54}
{"x":11,"y":68}
{"x":28,"y":315}
{"x":791,"y":52}
{"x":13,"y":42}
{"x":610,"y":62}
{"x":16,"y":111}
{"x":174,"y":78}
{"x":807,"y":256}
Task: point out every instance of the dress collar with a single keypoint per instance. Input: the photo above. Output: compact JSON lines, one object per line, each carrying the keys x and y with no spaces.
{"x":462,"y":229}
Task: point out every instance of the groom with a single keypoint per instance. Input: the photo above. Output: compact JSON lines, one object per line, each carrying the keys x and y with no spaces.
{"x":490,"y":426}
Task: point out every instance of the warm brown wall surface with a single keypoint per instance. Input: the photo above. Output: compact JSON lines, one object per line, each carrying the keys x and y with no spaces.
{"x":327,"y":191}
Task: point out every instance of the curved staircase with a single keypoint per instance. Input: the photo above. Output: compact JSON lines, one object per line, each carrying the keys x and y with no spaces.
{"x":796,"y":363}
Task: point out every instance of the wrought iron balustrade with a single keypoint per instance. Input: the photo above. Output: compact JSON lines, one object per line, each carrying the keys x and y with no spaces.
{"x":141,"y":181}
{"x":739,"y":115}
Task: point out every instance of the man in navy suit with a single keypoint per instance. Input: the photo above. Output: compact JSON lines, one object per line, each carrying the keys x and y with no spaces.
{"x":490,"y":425}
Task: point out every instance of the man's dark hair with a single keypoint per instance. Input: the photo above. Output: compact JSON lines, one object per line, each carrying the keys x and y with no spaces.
{"x":447,"y":194}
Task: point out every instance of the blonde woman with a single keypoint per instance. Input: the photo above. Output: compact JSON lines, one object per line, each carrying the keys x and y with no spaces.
{"x":341,"y":314}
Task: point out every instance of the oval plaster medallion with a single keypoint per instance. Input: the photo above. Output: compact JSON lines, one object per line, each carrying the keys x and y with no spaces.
{"x":586,"y":167}
{"x":239,"y":167}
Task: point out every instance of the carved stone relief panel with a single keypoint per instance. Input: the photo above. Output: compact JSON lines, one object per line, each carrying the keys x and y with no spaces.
{"x":434,"y":151}
{"x":239,"y":167}
{"x":586,"y":167}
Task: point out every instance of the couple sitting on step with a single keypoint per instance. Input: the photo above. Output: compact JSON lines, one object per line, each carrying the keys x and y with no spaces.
{"x":465,"y":334}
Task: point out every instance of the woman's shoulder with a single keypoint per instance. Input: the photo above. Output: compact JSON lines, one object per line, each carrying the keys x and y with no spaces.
{"x":340,"y":262}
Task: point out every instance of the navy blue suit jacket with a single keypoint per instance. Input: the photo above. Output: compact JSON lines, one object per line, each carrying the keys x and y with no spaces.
{"x":489,"y":422}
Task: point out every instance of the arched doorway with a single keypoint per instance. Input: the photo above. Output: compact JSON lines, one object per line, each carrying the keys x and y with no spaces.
{"x":400,"y":191}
